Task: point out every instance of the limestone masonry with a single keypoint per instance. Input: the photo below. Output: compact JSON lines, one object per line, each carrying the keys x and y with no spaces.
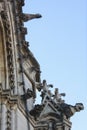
{"x":20,"y":78}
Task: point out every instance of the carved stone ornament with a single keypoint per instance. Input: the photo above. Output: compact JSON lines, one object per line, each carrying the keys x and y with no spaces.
{"x":6,"y":24}
{"x":27,"y":94}
{"x":21,"y":2}
{"x":69,"y":110}
{"x":27,"y":17}
{"x":23,"y":30}
{"x":35,"y":112}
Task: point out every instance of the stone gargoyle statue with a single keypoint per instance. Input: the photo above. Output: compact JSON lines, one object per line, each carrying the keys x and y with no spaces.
{"x":69,"y":110}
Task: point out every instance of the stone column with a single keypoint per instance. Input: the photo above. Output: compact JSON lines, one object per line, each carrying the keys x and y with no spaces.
{"x":3,"y":117}
{"x":13,"y":118}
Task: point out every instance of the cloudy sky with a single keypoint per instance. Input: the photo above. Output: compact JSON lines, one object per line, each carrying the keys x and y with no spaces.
{"x":58,"y":41}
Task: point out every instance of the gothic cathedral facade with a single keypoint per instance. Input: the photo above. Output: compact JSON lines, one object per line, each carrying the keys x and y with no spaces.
{"x":20,"y":79}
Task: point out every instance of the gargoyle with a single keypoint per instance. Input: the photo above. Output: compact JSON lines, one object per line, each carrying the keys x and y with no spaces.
{"x":69,"y":110}
{"x":27,"y":17}
{"x":35,"y":112}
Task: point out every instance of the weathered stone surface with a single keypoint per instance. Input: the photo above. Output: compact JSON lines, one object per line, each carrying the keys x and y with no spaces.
{"x":20,"y":79}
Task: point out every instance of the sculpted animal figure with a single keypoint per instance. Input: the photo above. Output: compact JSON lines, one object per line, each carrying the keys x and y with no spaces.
{"x":27,"y":17}
{"x":69,"y":110}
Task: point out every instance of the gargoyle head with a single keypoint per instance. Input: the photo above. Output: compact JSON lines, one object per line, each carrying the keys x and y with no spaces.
{"x":79,"y":106}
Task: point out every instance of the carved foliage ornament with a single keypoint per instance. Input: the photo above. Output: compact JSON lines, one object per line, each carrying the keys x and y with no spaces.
{"x":6,"y":24}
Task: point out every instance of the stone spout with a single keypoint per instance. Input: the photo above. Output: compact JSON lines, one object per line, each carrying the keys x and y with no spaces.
{"x":27,"y":17}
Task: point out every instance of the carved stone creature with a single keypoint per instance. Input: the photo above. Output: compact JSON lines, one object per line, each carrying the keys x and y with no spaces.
{"x":23,"y":30}
{"x":28,"y":94}
{"x":35,"y":112}
{"x":27,"y":17}
{"x":79,"y":106}
{"x":38,"y":86}
{"x":69,"y":110}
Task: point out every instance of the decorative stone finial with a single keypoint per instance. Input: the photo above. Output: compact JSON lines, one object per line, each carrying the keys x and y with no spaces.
{"x":57,"y":96}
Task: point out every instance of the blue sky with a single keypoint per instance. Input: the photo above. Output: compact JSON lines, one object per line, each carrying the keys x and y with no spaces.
{"x":58,"y":41}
